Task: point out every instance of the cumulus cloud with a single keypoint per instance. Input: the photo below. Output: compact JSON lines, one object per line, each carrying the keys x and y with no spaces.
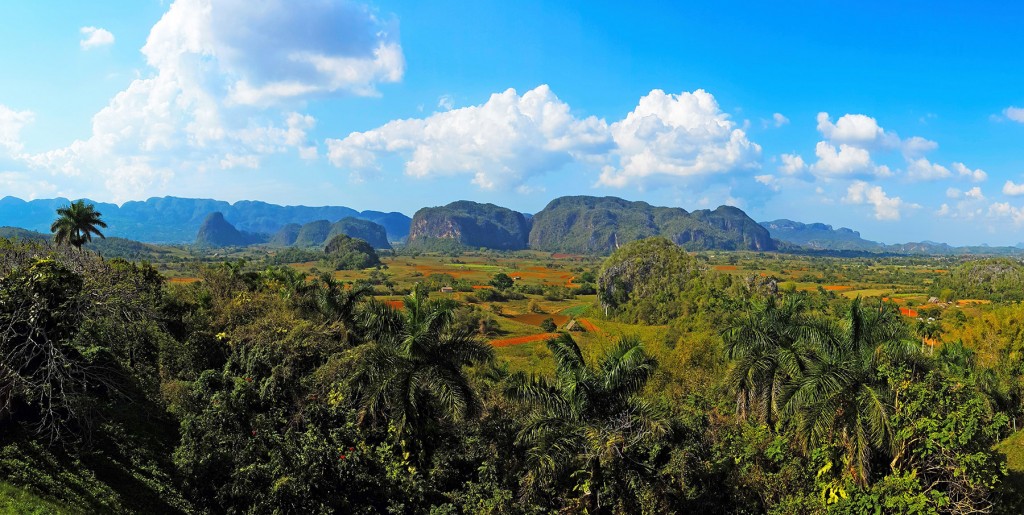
{"x":501,"y":142}
{"x":845,"y":161}
{"x":917,"y":146}
{"x":778,"y":120}
{"x":93,"y":37}
{"x":768,"y":180}
{"x":792,"y":164}
{"x":964,"y":171}
{"x":510,"y":138}
{"x":1005,"y":211}
{"x":224,"y":78}
{"x":11,"y":123}
{"x":974,"y":194}
{"x":683,"y":135}
{"x":856,"y":130}
{"x":922,"y":169}
{"x":1014,"y":113}
{"x":953,"y":193}
{"x":25,"y":185}
{"x":1013,"y":189}
{"x":886,"y":208}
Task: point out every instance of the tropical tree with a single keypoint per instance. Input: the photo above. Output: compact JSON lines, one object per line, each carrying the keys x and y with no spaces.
{"x":76,"y":224}
{"x":842,"y":397}
{"x":412,"y":374}
{"x":770,"y":350}
{"x":586,"y":419}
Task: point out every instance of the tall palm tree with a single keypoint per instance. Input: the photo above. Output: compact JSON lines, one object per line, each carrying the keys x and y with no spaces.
{"x":76,"y":223}
{"x":770,"y":350}
{"x":842,"y":397}
{"x":586,"y":418}
{"x":412,"y":373}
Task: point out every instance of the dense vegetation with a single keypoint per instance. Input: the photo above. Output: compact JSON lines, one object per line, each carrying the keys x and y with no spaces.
{"x":365,"y":230}
{"x":602,"y":224}
{"x":262,"y":389}
{"x":990,"y":279}
{"x":468,"y":224}
{"x":347,"y":253}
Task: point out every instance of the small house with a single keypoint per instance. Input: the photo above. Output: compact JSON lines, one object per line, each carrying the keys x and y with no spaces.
{"x":447,"y":289}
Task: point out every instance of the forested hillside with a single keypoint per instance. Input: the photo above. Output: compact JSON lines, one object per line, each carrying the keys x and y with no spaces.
{"x":678,"y":388}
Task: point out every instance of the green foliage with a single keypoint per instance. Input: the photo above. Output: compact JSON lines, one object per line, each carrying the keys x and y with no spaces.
{"x":348,"y":253}
{"x":76,"y":224}
{"x":468,"y":224}
{"x":602,"y":224}
{"x":1000,"y":280}
{"x":652,"y":281}
{"x":502,"y":281}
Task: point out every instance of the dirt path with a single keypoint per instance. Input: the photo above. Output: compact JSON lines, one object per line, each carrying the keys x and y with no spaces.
{"x":588,"y":325}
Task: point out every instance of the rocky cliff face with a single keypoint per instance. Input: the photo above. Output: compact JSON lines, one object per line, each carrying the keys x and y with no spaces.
{"x":601,"y":224}
{"x":218,"y":232}
{"x":469,"y":224}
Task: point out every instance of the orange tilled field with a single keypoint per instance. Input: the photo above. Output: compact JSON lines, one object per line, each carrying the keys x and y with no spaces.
{"x":507,"y":342}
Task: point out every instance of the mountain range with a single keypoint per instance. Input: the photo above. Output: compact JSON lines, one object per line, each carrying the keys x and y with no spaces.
{"x":177,"y":220}
{"x":571,"y":224}
{"x":822,"y":237}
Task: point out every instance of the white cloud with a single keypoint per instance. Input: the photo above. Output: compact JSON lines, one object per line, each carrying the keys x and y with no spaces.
{"x":683,"y":135}
{"x":446,"y":102}
{"x":857,"y":130}
{"x":500,"y":143}
{"x":953,"y":193}
{"x":792,"y":164}
{"x":917,"y":146}
{"x":847,"y":160}
{"x":923,"y":170}
{"x":11,"y":123}
{"x":943,"y":210}
{"x":1003,"y":210}
{"x":974,"y":194}
{"x":1014,"y":113}
{"x":223,"y":72}
{"x":93,"y":37}
{"x":768,"y":180}
{"x":886,"y":208}
{"x":25,"y":186}
{"x":1013,"y":189}
{"x":778,"y":120}
{"x":964,"y":171}
{"x":510,"y":138}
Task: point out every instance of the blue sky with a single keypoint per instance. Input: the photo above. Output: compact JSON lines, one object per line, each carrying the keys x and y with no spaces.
{"x":896,"y":119}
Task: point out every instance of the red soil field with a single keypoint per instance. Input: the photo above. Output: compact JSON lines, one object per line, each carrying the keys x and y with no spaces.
{"x":507,"y":342}
{"x":483,"y":287}
{"x":907,"y":312}
{"x":395,"y":304}
{"x":588,"y":325}
{"x":726,"y":268}
{"x":537,"y":318}
{"x":837,"y":287}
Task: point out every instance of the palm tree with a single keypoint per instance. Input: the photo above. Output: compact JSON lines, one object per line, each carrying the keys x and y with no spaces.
{"x":412,"y":374}
{"x":586,"y":418}
{"x":770,"y":350}
{"x":842,"y":397}
{"x":76,"y":223}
